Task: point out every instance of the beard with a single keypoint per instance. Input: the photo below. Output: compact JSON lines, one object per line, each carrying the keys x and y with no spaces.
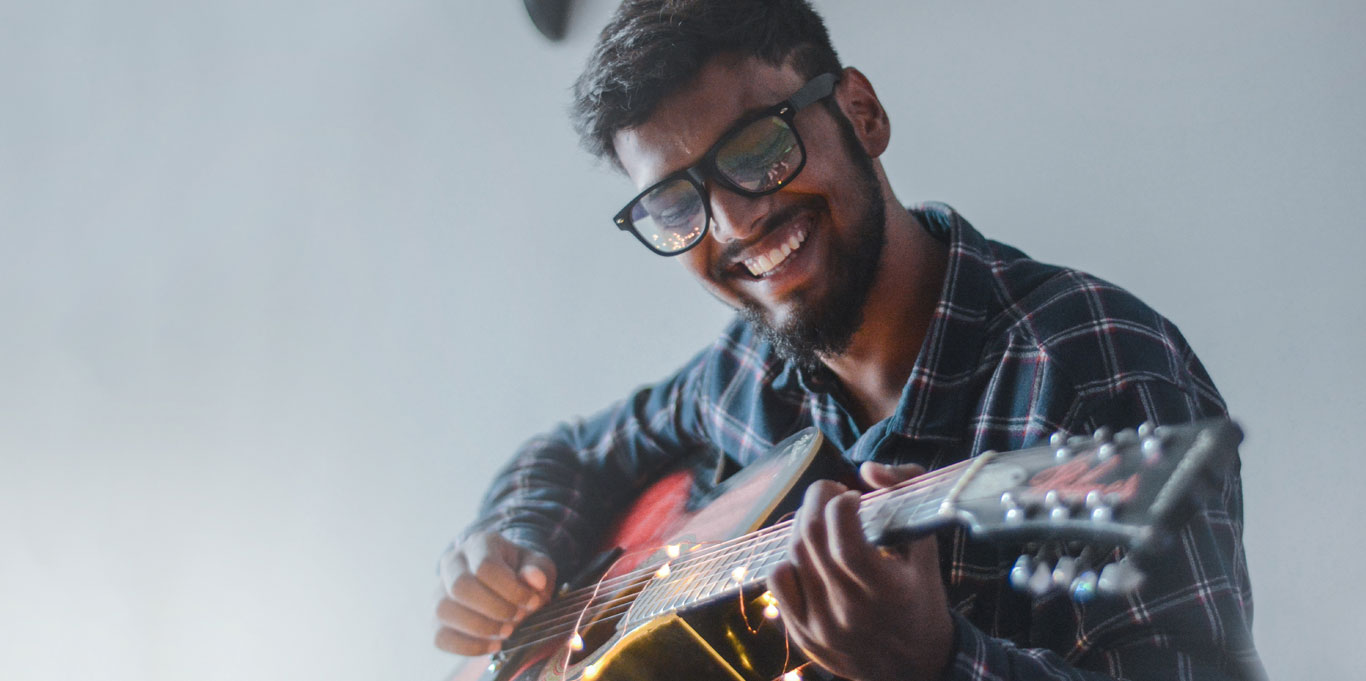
{"x":826,"y":325}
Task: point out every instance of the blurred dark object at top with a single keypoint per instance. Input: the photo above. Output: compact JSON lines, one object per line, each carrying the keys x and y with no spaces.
{"x":550,"y":16}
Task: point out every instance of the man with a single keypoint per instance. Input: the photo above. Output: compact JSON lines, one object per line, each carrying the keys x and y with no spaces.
{"x":908,"y":338}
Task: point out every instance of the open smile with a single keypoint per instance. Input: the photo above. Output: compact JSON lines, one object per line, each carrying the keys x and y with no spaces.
{"x":765,"y":263}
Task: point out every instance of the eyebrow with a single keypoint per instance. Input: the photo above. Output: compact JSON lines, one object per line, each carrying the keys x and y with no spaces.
{"x":746,"y":116}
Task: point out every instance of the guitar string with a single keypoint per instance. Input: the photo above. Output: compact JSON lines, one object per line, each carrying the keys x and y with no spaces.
{"x":572,"y":608}
{"x":608,"y":612}
{"x":577,"y":599}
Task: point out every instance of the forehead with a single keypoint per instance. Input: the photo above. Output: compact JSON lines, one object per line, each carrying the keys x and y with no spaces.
{"x":690,"y":121}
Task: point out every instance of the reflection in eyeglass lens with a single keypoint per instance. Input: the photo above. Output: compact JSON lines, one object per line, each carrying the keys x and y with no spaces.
{"x":671,"y":216}
{"x":762,"y":155}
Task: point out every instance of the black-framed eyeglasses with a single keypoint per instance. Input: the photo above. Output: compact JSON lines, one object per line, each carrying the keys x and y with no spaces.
{"x":757,"y":157}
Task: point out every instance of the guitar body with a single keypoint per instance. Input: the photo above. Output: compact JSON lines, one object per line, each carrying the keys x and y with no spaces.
{"x":723,"y":639}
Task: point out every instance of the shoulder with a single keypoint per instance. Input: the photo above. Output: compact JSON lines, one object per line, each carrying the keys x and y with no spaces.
{"x":1104,"y":339}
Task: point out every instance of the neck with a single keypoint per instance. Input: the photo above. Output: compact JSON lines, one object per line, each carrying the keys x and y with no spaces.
{"x":896,"y":317}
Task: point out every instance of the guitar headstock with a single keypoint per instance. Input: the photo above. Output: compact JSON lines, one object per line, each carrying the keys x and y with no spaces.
{"x":1129,"y":489}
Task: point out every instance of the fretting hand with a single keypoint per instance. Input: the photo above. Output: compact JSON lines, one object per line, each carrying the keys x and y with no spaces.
{"x":858,"y":610}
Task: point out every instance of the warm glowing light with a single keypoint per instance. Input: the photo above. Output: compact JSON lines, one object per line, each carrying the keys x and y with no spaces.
{"x":771,"y":611}
{"x":767,"y":598}
{"x":663,"y":571}
{"x":590,"y":672}
{"x":576,"y":642}
{"x":739,"y":573}
{"x":794,"y":675}
{"x":672,"y":550}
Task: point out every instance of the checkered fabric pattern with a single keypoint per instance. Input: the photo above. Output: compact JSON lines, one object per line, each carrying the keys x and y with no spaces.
{"x":1017,"y":350}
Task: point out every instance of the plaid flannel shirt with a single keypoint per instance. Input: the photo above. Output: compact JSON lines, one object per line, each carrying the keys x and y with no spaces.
{"x":1016,"y":351}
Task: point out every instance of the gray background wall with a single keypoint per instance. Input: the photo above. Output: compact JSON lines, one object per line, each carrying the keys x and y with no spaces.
{"x":282,"y":283}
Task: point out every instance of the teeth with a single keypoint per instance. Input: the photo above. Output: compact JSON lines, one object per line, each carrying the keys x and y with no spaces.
{"x":764,"y":263}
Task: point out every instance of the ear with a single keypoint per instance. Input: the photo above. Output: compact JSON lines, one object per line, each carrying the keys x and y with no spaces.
{"x":864,"y":110}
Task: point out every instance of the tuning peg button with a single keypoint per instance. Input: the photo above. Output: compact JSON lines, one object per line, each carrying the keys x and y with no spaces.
{"x":1119,"y":578}
{"x":1041,"y":582}
{"x":1064,"y":572}
{"x":1021,"y":572}
{"x":1084,"y":587}
{"x":1106,"y":451}
{"x":1152,"y":450}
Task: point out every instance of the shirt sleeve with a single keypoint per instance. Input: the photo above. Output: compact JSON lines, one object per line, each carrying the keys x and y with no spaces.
{"x":562,"y":489}
{"x":1191,"y":618}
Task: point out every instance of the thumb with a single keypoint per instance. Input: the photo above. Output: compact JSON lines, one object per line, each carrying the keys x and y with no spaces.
{"x":880,"y":475}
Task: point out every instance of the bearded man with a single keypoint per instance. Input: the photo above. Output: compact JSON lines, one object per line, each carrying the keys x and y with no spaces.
{"x":908,"y":338}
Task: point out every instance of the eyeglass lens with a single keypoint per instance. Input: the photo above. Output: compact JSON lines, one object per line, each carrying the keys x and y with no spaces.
{"x":757,"y":158}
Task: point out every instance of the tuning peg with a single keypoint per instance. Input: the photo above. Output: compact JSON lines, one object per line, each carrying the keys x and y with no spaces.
{"x":1126,"y":437}
{"x":1102,"y":434}
{"x":1106,"y":451}
{"x":1152,"y":449}
{"x":1021,"y":572}
{"x":1041,"y":582}
{"x":1119,"y":578}
{"x":1146,"y":429}
{"x":1084,"y":586}
{"x":1057,"y":439}
{"x":1064,"y":572}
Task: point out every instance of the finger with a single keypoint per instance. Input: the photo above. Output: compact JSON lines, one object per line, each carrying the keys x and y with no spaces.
{"x":806,"y":564}
{"x":467,"y":621}
{"x":475,"y":595}
{"x":878,"y":475}
{"x":538,"y":572}
{"x":453,"y":641}
{"x":495,"y":561}
{"x":783,"y":584}
{"x":846,"y":544}
{"x":813,"y":543}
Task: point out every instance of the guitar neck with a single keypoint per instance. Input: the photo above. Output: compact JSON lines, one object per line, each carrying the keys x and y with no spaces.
{"x":710,"y":572}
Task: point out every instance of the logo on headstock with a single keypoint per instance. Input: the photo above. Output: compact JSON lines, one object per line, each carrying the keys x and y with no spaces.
{"x":1076,"y":478}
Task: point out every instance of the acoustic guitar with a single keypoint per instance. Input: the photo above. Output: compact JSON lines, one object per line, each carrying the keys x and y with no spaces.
{"x":680,"y":594}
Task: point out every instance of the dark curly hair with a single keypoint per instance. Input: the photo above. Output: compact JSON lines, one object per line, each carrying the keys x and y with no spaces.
{"x":652,"y":48}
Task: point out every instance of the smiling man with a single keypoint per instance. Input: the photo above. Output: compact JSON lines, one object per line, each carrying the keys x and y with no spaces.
{"x":907,"y":337}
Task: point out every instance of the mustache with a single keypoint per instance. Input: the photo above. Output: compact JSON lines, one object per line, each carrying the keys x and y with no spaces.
{"x":729,"y":256}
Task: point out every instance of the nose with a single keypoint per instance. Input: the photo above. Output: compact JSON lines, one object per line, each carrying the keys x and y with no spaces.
{"x":736,"y":217}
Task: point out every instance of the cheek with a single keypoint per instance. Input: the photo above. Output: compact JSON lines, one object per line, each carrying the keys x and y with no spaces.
{"x":698,"y":263}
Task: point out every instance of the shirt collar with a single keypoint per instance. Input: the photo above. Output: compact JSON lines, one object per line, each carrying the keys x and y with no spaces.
{"x":937,"y":401}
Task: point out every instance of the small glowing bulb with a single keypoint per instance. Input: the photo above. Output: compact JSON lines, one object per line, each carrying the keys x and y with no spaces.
{"x":767,"y":598}
{"x":672,"y":550}
{"x":591,"y":671}
{"x":771,"y":611}
{"x":794,"y":675}
{"x":663,"y":571}
{"x":738,"y":573}
{"x":576,"y":642}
